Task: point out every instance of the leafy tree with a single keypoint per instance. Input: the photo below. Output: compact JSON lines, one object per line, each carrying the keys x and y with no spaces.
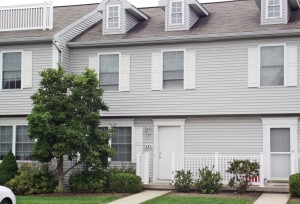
{"x":8,"y":168}
{"x":65,"y":120}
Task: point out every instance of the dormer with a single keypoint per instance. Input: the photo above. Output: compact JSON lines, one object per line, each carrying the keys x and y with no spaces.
{"x":119,"y":16}
{"x":182,"y":14}
{"x":276,"y":11}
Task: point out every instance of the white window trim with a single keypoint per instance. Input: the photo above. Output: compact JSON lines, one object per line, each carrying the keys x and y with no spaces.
{"x":170,"y":12}
{"x":121,"y":123}
{"x":109,"y":53}
{"x":284,"y":64}
{"x":267,"y":10}
{"x":170,"y":123}
{"x":14,"y":123}
{"x":269,"y":123}
{"x":107,"y":17}
{"x":1,"y":69}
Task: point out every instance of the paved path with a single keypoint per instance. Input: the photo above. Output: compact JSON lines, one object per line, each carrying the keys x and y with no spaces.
{"x":268,"y":198}
{"x":140,"y":197}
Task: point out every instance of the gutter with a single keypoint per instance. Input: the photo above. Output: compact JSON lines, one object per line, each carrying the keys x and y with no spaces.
{"x":26,"y":40}
{"x":188,"y":38}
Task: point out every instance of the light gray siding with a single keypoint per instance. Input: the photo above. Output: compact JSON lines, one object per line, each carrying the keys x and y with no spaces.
{"x":221,"y":82}
{"x":122,"y":19}
{"x":193,"y":17}
{"x":18,"y":102}
{"x":282,"y":20}
{"x":131,"y":21}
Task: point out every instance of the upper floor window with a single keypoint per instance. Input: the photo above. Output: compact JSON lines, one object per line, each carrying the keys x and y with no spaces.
{"x":113,"y":17}
{"x":272,"y":65}
{"x":173,"y":66}
{"x":274,"y":8}
{"x":176,"y":13}
{"x":109,"y":69}
{"x":11,"y":70}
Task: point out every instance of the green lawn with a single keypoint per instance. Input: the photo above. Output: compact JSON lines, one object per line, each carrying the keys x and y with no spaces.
{"x":295,"y":202}
{"x":65,"y":200}
{"x":171,"y":199}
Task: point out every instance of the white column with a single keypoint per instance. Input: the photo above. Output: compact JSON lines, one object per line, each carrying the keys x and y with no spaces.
{"x":293,"y":163}
{"x":138,"y":165}
{"x":173,"y":167}
{"x":216,"y":161}
{"x":146,"y":167}
{"x":261,"y":170}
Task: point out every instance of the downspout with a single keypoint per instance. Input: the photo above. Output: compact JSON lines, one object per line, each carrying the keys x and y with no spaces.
{"x":56,"y":44}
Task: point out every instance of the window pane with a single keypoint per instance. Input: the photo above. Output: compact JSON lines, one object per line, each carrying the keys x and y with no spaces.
{"x":173,"y":65}
{"x":6,"y":135}
{"x":280,"y":139}
{"x":121,"y":142}
{"x":109,"y":69}
{"x":24,"y":144}
{"x":12,"y":70}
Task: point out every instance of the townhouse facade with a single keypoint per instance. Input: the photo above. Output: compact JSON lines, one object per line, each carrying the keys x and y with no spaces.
{"x":185,"y":82}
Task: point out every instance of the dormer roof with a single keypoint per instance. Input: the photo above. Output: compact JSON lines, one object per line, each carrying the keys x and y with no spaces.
{"x":193,"y":3}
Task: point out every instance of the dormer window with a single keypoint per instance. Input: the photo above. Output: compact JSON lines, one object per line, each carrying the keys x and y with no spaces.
{"x":113,"y":17}
{"x":274,"y":8}
{"x":176,"y":13}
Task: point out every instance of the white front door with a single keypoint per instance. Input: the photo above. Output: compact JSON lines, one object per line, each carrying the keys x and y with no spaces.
{"x":168,"y":142}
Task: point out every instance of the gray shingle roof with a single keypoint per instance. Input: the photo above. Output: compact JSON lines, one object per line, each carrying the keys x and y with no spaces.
{"x":225,"y":17}
{"x":63,"y":16}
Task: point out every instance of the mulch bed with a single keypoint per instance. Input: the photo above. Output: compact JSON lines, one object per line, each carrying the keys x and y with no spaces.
{"x":81,"y":195}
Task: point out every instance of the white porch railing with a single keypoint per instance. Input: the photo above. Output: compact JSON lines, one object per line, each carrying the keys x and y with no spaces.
{"x":143,"y":167}
{"x":26,"y":17}
{"x":220,"y":163}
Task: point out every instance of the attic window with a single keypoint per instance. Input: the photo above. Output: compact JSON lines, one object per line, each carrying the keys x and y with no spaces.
{"x":274,"y":8}
{"x":176,"y":14}
{"x":113,"y":17}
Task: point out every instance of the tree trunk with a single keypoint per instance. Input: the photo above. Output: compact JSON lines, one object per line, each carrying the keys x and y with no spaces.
{"x":60,"y":173}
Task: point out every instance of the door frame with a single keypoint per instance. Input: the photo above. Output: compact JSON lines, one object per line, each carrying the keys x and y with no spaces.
{"x":165,"y":123}
{"x":269,"y":123}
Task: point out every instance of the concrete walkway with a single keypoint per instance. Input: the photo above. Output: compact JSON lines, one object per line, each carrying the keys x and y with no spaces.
{"x":268,"y":198}
{"x":140,"y":197}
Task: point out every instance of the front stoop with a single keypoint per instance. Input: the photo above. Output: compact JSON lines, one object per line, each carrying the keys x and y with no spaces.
{"x":140,"y":197}
{"x":268,"y":198}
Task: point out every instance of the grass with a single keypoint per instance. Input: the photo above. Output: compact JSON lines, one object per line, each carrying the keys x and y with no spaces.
{"x":171,"y":199}
{"x":65,"y":200}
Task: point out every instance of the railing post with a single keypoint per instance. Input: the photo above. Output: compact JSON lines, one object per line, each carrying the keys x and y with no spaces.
{"x":146,"y":167}
{"x":50,"y":15}
{"x":173,"y":167}
{"x":138,"y":165}
{"x":45,"y":15}
{"x":293,"y":163}
{"x":261,"y":170}
{"x":216,"y":162}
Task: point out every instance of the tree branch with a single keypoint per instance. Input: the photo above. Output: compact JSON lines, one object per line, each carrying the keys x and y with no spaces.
{"x":71,"y":168}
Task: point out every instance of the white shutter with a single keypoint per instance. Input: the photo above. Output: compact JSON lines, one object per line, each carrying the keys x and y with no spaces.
{"x":93,"y":64}
{"x":156,"y":72}
{"x":55,"y":57}
{"x":27,"y":69}
{"x":291,"y":66}
{"x":190,"y":70}
{"x":137,"y":142}
{"x":253,"y":67}
{"x":125,"y":73}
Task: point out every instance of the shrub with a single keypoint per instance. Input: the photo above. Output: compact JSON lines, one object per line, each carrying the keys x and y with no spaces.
{"x":8,"y":168}
{"x":243,"y":171}
{"x":88,"y":182}
{"x":125,"y":183}
{"x":124,"y":169}
{"x":294,"y":183}
{"x":209,"y":182}
{"x":33,"y":180}
{"x":183,"y":181}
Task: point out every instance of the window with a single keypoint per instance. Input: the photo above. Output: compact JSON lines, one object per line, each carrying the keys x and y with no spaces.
{"x":11,"y":68}
{"x":22,"y":147}
{"x":274,"y":8}
{"x":121,"y":143}
{"x":272,"y":66}
{"x":173,"y":66}
{"x":176,"y":13}
{"x":113,"y":17}
{"x":109,"y":69}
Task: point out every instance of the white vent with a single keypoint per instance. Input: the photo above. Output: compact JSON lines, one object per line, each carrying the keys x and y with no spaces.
{"x":26,"y":17}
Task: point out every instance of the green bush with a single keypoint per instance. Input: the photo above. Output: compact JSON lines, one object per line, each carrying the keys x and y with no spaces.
{"x":125,"y":183}
{"x":209,"y":182}
{"x":8,"y":168}
{"x":33,"y":180}
{"x":88,"y":182}
{"x":183,"y":181}
{"x":294,"y":183}
{"x":243,"y":171}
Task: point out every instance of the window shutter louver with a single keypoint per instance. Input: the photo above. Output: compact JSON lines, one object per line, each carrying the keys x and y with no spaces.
{"x":291,"y":66}
{"x":125,"y":73}
{"x":253,"y":67}
{"x":27,"y":70}
{"x":93,"y":64}
{"x":137,"y":143}
{"x":156,"y":72}
{"x":190,"y":70}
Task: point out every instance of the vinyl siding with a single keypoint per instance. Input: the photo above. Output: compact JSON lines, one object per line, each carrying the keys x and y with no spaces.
{"x":193,"y":17}
{"x":131,"y":21}
{"x":18,"y":102}
{"x":221,"y":83}
{"x":266,"y":21}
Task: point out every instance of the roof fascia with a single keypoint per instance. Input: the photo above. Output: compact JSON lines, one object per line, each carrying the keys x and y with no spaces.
{"x":26,"y":40}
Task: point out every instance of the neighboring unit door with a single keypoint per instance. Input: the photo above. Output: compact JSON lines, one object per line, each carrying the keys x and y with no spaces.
{"x":280,"y":153}
{"x":168,"y":142}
